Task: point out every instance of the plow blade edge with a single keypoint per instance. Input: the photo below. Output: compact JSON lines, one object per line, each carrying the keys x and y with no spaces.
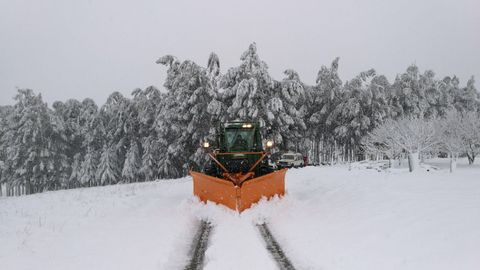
{"x":221,"y":191}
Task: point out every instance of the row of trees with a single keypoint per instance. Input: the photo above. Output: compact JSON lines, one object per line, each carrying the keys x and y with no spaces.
{"x":155,"y":134}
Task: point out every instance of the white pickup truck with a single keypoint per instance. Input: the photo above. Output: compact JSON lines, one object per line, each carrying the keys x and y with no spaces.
{"x":289,"y":160}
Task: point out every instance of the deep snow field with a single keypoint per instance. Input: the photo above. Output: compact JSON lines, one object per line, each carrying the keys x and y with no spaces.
{"x":341,"y":217}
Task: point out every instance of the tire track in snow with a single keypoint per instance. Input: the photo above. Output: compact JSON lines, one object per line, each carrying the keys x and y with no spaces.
{"x":199,"y":245}
{"x":274,"y":248}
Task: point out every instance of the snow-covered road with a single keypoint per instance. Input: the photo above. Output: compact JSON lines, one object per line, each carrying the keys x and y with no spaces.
{"x":331,"y":218}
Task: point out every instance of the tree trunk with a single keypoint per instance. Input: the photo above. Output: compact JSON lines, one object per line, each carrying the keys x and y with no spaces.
{"x":453,"y":162}
{"x":312,"y":150}
{"x":471,"y":158}
{"x":334,"y":150}
{"x":320,"y":148}
{"x":28,"y":185}
{"x":412,"y":161}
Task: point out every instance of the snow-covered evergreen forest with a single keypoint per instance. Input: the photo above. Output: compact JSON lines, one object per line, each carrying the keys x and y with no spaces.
{"x":155,"y":134}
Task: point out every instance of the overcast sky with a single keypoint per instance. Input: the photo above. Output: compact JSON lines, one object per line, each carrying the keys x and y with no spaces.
{"x":77,"y":49}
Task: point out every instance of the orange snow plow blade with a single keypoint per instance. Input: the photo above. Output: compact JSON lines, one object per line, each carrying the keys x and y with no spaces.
{"x":239,"y":198}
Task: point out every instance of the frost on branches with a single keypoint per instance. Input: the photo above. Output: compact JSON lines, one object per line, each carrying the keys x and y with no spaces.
{"x":412,"y":135}
{"x":455,"y":134}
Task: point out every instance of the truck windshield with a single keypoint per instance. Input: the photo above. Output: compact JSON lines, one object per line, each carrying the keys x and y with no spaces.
{"x":288,"y":157}
{"x":239,"y":139}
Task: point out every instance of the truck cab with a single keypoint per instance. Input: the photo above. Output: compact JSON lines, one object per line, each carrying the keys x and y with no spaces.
{"x":239,"y":146}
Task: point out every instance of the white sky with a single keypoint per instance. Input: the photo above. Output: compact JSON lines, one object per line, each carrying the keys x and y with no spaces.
{"x":77,"y":49}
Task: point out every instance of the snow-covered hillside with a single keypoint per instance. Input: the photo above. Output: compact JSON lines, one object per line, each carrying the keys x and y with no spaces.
{"x":341,"y":217}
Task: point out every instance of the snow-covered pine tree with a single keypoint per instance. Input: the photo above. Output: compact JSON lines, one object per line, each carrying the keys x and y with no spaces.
{"x":467,"y":99}
{"x":325,"y":97}
{"x":213,"y":70}
{"x":2,"y":182}
{"x":76,"y":171}
{"x":378,"y":109}
{"x":149,"y":167}
{"x":61,"y":164}
{"x":181,"y":121}
{"x":66,"y":118}
{"x":248,"y":90}
{"x":70,"y":113}
{"x":290,"y":95}
{"x":94,"y":132}
{"x":251,"y":94}
{"x":92,"y":128}
{"x":88,"y":171}
{"x":444,"y":97}
{"x":31,"y":146}
{"x":5,"y":112}
{"x":132,"y":156}
{"x":216,"y":108}
{"x":148,"y":102}
{"x":119,"y":119}
{"x":215,"y":112}
{"x":131,"y":167}
{"x":350,"y":114}
{"x":410,"y":90}
{"x":108,"y":171}
{"x":435,"y":107}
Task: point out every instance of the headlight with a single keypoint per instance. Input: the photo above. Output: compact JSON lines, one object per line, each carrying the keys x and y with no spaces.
{"x":206,"y":144}
{"x":269,"y":144}
{"x":246,"y":125}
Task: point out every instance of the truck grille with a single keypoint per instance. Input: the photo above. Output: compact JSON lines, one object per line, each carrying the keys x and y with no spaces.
{"x":237,"y":165}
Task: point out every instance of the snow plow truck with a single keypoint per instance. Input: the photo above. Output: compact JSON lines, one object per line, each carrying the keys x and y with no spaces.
{"x":238,"y":174}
